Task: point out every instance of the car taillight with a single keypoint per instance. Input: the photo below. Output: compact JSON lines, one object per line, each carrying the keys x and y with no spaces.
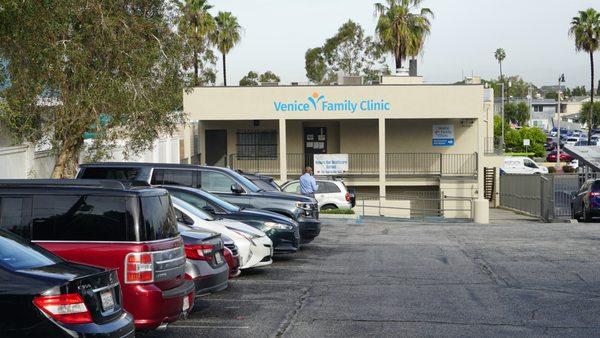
{"x":139,"y":267}
{"x":594,"y":193}
{"x":68,"y":308}
{"x":347,"y":197}
{"x":199,"y":252}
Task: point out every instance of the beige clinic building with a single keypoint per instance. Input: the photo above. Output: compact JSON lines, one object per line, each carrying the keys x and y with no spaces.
{"x":390,"y":133}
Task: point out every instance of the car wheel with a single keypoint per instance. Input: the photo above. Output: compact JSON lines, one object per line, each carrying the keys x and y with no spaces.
{"x":587,"y":215}
{"x":329,"y":207}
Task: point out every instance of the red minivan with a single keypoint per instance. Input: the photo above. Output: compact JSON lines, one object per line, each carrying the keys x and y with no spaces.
{"x":109,"y":225}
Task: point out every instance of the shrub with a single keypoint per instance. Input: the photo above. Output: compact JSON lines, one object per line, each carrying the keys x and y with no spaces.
{"x":568,"y":169}
{"x":338,"y":212}
{"x":552,"y":170}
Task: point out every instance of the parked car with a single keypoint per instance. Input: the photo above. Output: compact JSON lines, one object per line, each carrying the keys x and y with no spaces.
{"x":105,"y":224}
{"x":266,"y":183}
{"x":232,"y":256}
{"x":584,"y":143}
{"x":206,"y":265}
{"x":522,"y":165}
{"x":255,"y":248}
{"x":283,"y":231}
{"x":564,"y":157}
{"x":572,"y":140}
{"x":224,"y":182}
{"x":42,"y":295}
{"x":331,"y":194}
{"x":586,"y":202}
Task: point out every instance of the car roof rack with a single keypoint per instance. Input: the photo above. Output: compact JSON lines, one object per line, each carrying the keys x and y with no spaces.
{"x":107,"y":184}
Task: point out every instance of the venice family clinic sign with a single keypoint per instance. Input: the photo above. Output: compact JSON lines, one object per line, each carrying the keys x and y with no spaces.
{"x":330,"y":164}
{"x":319,"y":103}
{"x":443,"y":135}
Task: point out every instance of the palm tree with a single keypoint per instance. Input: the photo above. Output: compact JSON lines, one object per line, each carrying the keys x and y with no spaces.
{"x":585,"y":28}
{"x":227,"y":35}
{"x":500,"y":55}
{"x":196,"y":25}
{"x":400,"y":31}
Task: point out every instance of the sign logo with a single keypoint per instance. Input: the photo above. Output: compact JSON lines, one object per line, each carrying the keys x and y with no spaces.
{"x":319,"y":103}
{"x":443,"y":135}
{"x":315,"y":98}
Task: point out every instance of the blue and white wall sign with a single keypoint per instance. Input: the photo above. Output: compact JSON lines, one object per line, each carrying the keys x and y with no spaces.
{"x":319,"y":103}
{"x":443,"y":135}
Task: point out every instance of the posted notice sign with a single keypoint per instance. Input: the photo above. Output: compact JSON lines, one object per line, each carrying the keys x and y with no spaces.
{"x":443,"y":135}
{"x":330,"y":164}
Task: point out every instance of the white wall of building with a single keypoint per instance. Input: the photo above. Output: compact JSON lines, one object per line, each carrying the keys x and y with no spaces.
{"x":24,"y":162}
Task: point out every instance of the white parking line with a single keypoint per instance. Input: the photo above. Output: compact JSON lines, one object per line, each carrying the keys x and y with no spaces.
{"x":206,"y":327}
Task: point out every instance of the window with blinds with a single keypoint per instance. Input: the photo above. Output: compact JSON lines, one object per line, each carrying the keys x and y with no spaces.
{"x":257,"y":144}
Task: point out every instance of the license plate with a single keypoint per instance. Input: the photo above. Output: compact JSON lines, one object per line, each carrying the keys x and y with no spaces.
{"x":218,"y":258}
{"x":186,"y":303}
{"x":108,"y":302}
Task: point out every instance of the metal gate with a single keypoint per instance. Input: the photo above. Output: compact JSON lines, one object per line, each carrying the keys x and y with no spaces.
{"x":545,"y":196}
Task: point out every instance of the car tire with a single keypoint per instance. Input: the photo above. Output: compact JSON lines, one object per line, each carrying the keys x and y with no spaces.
{"x":329,"y":207}
{"x":587,"y":215}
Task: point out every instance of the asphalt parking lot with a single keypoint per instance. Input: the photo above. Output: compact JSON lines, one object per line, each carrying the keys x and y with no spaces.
{"x":384,"y":278}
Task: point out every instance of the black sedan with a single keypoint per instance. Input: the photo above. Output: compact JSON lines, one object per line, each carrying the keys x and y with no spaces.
{"x":44,"y":296}
{"x":283,"y":231}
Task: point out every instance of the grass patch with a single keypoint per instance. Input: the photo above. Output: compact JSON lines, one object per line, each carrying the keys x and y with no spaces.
{"x":519,"y":154}
{"x":338,"y":212}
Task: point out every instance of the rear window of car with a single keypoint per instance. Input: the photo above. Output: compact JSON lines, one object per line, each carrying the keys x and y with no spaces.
{"x":82,"y":218}
{"x":18,"y":254}
{"x":596,"y":186}
{"x":327,"y":187}
{"x":158,"y":218}
{"x":124,"y":174}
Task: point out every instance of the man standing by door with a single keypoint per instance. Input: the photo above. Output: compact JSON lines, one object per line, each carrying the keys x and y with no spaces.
{"x":308,"y":184}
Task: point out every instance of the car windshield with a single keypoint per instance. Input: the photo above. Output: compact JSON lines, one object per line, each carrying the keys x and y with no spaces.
{"x":186,"y":203}
{"x":18,"y":254}
{"x":263,"y":185}
{"x":245,"y":182}
{"x":220,"y":202}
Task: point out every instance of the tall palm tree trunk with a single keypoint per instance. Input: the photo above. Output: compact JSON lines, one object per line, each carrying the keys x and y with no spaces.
{"x":501,"y":76}
{"x":590,"y":114}
{"x":195,"y":69}
{"x":224,"y":71}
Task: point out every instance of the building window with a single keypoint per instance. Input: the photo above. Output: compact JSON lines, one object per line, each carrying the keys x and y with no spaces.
{"x":257,"y":144}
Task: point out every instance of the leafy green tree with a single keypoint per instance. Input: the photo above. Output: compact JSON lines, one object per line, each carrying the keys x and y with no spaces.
{"x":514,"y":140}
{"x":497,"y":126}
{"x":584,"y":113}
{"x":196,"y":25}
{"x":551,"y":96}
{"x":227,"y":35}
{"x":500,"y":55}
{"x":516,"y":112}
{"x":519,"y":88}
{"x":269,"y":77}
{"x":585,"y":28}
{"x":579,"y":91}
{"x":315,"y":66}
{"x":250,"y":80}
{"x":400,"y":31}
{"x":349,"y":51}
{"x":73,"y":64}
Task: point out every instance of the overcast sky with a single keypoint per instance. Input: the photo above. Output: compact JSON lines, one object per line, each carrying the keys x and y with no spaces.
{"x":464,"y":36}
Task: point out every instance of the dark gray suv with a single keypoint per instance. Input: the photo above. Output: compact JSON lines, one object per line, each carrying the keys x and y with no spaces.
{"x":224,"y":182}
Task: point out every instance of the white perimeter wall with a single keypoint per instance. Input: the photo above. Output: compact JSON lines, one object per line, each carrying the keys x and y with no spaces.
{"x":23,"y":162}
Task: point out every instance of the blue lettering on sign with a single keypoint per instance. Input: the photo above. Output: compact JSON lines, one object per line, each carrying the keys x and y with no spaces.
{"x":318,"y":102}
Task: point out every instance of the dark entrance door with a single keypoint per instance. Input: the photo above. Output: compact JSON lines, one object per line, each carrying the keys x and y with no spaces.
{"x":315,"y":142}
{"x":216,"y":147}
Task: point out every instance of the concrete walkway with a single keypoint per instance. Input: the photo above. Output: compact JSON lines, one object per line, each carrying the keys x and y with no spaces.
{"x":503,"y":216}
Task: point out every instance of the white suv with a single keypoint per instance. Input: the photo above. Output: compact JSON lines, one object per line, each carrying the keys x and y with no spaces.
{"x":330,"y":195}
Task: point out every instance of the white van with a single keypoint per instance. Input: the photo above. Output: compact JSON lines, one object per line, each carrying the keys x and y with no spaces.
{"x":522,"y":165}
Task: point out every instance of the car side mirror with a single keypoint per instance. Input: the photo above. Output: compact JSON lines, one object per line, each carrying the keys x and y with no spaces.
{"x":237,"y":189}
{"x":209,"y":209}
